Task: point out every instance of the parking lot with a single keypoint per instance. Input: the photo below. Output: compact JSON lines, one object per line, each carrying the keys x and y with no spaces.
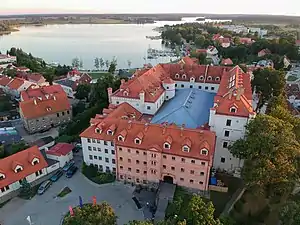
{"x":47,"y":209}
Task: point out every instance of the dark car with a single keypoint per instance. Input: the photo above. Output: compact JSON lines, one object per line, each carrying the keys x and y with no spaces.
{"x":56,"y":176}
{"x":71,"y":171}
{"x":68,"y":166}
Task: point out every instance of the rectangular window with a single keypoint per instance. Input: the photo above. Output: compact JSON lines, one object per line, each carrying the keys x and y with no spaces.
{"x":90,"y":156}
{"x":113,"y":161}
{"x":112,"y":152}
{"x":203,"y":163}
{"x":106,"y":151}
{"x":145,"y":172}
{"x":107,"y":160}
{"x":173,"y":158}
{"x":192,"y":171}
{"x":129,"y":160}
{"x":145,"y":153}
{"x":228,"y":123}
{"x":129,"y":169}
{"x":99,"y":149}
{"x":100,"y":157}
{"x":172,"y":168}
{"x":137,"y":152}
{"x":89,"y":148}
{"x":191,"y":181}
{"x":94,"y":148}
{"x":121,"y":167}
{"x":98,"y":141}
{"x":107,"y":169}
{"x":182,"y":170}
{"x":94,"y":140}
{"x":164,"y":156}
{"x":121,"y":158}
{"x":200,"y":87}
{"x":89,"y":140}
{"x":222,"y":160}
{"x":191,"y":86}
{"x":212,"y":88}
{"x":112,"y":144}
{"x":137,"y":162}
{"x":201,"y":173}
{"x":225,"y":144}
{"x":164,"y":166}
{"x":226,"y":134}
{"x":128,"y":150}
{"x":181,"y":179}
{"x":193,"y":161}
{"x":182,"y":159}
{"x":68,"y":112}
{"x":120,"y":149}
{"x":206,"y":88}
{"x":105,"y":142}
{"x":63,"y":113}
{"x":200,"y":182}
{"x":95,"y":157}
{"x":182,"y":85}
{"x":145,"y":163}
{"x":148,"y":107}
{"x":57,"y":114}
{"x":137,"y":171}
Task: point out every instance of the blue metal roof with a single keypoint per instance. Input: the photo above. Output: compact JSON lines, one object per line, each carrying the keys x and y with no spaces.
{"x":189,"y":106}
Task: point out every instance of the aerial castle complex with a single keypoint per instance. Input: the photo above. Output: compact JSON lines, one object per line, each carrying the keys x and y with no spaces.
{"x":172,"y":123}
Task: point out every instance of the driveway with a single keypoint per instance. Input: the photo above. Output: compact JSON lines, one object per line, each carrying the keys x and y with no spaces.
{"x":48,"y":210}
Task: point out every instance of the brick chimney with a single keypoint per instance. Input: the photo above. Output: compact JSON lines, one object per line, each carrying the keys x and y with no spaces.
{"x":239,"y":93}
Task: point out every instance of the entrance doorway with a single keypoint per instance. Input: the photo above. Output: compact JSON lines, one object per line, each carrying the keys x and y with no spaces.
{"x":168,"y":179}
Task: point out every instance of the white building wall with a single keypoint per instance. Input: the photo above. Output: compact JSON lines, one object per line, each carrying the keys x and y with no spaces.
{"x":63,"y":160}
{"x":99,"y":153}
{"x":143,"y":107}
{"x":16,"y":185}
{"x":213,"y":88}
{"x":223,"y":159}
{"x":52,"y":168}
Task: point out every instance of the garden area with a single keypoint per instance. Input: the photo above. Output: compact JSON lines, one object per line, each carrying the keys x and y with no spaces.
{"x":92,"y":173}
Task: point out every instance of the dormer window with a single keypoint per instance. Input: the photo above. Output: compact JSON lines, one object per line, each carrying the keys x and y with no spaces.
{"x":233,"y":109}
{"x":192,"y":79}
{"x":2,"y":176}
{"x":18,"y":169}
{"x":183,"y":76}
{"x":125,"y":93}
{"x":177,"y":75}
{"x":98,"y":130}
{"x":204,"y":152}
{"x":185,"y":148}
{"x":137,"y":141}
{"x":201,"y":78}
{"x":110,"y":132}
{"x":35,"y":161}
{"x":209,"y":78}
{"x":120,"y":138}
{"x":167,"y":146}
{"x":217,"y":78}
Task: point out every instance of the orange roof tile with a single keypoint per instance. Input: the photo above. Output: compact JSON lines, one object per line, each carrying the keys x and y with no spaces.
{"x":35,"y":108}
{"x":4,"y":80}
{"x":24,"y":159}
{"x":16,"y":83}
{"x":41,"y":92}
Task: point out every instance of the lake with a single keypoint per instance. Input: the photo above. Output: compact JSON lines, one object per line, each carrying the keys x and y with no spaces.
{"x":62,"y":43}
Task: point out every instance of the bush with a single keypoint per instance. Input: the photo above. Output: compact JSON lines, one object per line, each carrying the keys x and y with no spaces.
{"x":91,"y":172}
{"x":238,"y":206}
{"x":65,"y":139}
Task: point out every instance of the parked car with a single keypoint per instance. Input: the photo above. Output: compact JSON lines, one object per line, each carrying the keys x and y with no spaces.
{"x":71,"y":171}
{"x":68,"y":166}
{"x":56,"y":176}
{"x":44,"y":186}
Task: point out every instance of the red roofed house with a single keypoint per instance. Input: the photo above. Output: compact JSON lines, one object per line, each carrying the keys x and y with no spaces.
{"x":263,"y":52}
{"x":17,"y":85}
{"x":246,"y":41}
{"x":44,"y":107}
{"x":4,"y":81}
{"x":224,"y":42}
{"x":61,"y":152}
{"x":143,"y":144}
{"x":28,"y":164}
{"x":227,"y":62}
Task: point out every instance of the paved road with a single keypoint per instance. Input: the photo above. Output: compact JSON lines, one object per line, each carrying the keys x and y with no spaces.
{"x":48,"y":210}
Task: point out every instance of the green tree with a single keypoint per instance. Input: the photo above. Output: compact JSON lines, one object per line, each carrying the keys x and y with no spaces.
{"x":100,"y":214}
{"x":227,"y":220}
{"x":64,"y":139}
{"x":2,"y":152}
{"x":10,"y":72}
{"x":107,"y":64}
{"x":101,"y":63}
{"x":82,"y":91}
{"x":75,"y":62}
{"x":290,"y":213}
{"x":271,"y":154}
{"x":135,"y":222}
{"x":268,"y":83}
{"x":202,"y":59}
{"x":200,"y":213}
{"x":97,"y":63}
{"x":49,"y":75}
{"x":17,"y":147}
{"x":25,"y":190}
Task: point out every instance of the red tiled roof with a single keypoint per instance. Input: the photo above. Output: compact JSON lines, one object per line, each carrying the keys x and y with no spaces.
{"x":246,"y":40}
{"x":32,"y":93}
{"x":227,"y":61}
{"x":16,"y":83}
{"x":234,"y":90}
{"x":264,"y":51}
{"x":38,"y":107}
{"x":4,"y":80}
{"x":36,"y":77}
{"x":60,"y":149}
{"x":155,"y":137}
{"x":24,"y":159}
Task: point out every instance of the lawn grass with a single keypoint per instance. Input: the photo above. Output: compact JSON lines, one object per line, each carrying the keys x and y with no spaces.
{"x":64,"y":192}
{"x":96,"y":75}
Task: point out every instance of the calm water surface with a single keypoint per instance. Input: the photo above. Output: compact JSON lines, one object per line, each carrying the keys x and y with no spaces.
{"x":61,"y":43}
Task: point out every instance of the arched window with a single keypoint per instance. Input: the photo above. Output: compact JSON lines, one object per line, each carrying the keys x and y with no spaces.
{"x":137,"y":141}
{"x":185,"y":148}
{"x":233,"y":109}
{"x":120,"y":138}
{"x":209,"y":78}
{"x":217,"y":78}
{"x":167,"y":145}
{"x":98,"y":130}
{"x":201,"y":78}
{"x":183,"y":76}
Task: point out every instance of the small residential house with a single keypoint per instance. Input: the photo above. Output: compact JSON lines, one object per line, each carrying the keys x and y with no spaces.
{"x":17,"y":85}
{"x":70,"y":83}
{"x":29,"y":165}
{"x":44,"y":107}
{"x":246,"y":41}
{"x":61,"y":152}
{"x":263,"y":52}
{"x":4,"y":81}
{"x":6,"y":60}
{"x":224,"y":41}
{"x":293,"y":94}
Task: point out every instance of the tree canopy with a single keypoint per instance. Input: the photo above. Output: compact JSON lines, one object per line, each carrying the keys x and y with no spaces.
{"x":290,"y":213}
{"x":83,"y":91}
{"x":100,"y":214}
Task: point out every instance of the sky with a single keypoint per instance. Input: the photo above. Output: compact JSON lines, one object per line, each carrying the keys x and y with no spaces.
{"x":278,"y":7}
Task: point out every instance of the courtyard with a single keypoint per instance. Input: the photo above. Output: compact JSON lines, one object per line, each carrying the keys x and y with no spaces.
{"x":47,"y":209}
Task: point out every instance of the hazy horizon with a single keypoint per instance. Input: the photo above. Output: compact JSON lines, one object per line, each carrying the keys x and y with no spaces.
{"x":269,"y":7}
